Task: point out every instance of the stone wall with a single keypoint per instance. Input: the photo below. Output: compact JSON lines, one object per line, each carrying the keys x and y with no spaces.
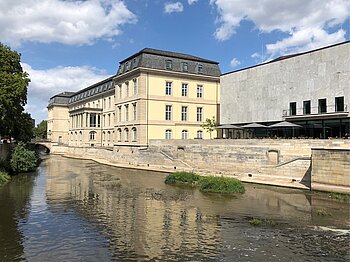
{"x":5,"y":150}
{"x":330,"y":167}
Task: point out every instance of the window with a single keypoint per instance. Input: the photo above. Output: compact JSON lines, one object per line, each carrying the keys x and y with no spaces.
{"x":98,"y":120}
{"x":119,"y":113}
{"x":109,"y":102}
{"x":120,"y":91}
{"x":185,"y":67}
{"x":199,"y":114}
{"x":109,"y":135}
{"x":184,"y":134}
{"x":126,"y":135}
{"x":127,"y":88}
{"x":168,"y":65}
{"x":339,"y":104}
{"x":184,"y":89}
{"x":199,"y":134}
{"x":119,"y":135}
{"x":134,"y":111}
{"x":104,"y":135}
{"x":109,"y":119}
{"x":322,"y":105}
{"x":87,"y":120}
{"x":168,"y":134}
{"x":104,"y":103}
{"x":168,"y":88}
{"x":92,"y":135}
{"x":127,"y":66}
{"x":135,"y":87}
{"x":126,"y":112}
{"x":307,"y":107}
{"x":92,"y":120}
{"x":200,"y":69}
{"x":199,"y":91}
{"x":134,"y":134}
{"x":292,"y":108}
{"x":168,"y":109}
{"x":184,"y":113}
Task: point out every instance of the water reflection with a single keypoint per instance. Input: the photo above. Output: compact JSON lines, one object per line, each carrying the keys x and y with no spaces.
{"x":82,"y":211}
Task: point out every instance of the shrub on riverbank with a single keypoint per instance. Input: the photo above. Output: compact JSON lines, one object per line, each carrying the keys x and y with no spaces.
{"x":186,"y":178}
{"x":23,"y":160}
{"x":4,"y":177}
{"x":225,"y":185}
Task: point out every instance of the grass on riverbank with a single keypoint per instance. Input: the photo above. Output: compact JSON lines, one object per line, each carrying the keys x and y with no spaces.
{"x":261,"y":222}
{"x":212,"y":184}
{"x":340,"y":197}
{"x":4,"y":177}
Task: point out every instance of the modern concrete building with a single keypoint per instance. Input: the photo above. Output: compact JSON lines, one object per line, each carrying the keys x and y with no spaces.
{"x":311,"y":89}
{"x":154,"y":95}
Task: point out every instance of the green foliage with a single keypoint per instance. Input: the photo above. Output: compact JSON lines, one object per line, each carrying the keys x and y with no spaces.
{"x":261,"y":222}
{"x":22,"y":159}
{"x":182,"y":178}
{"x":4,"y":177}
{"x":209,"y":125}
{"x":13,"y":93}
{"x":224,"y":185}
{"x":340,"y":197}
{"x":322,"y":212}
{"x":40,"y":131}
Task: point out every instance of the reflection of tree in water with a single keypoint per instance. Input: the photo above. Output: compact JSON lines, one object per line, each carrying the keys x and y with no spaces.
{"x":14,"y":205}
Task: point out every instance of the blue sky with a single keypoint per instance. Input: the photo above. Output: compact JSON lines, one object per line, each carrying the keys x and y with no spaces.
{"x":68,"y":45}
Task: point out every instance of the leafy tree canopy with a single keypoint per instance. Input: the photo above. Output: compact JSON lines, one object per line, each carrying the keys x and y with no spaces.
{"x":40,"y":131}
{"x":13,"y":94}
{"x":209,"y":125}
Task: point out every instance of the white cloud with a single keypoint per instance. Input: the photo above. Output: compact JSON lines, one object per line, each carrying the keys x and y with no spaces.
{"x":235,"y":62}
{"x":47,"y":83}
{"x":173,"y":7}
{"x":67,"y":22}
{"x":309,"y":24}
{"x":191,"y":2}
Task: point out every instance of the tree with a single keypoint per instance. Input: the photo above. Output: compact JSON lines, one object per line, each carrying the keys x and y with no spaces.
{"x":40,"y":131}
{"x":209,"y":125}
{"x":13,"y":93}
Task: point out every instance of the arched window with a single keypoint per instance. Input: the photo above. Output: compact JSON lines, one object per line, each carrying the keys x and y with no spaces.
{"x":109,"y":136}
{"x":76,"y":136}
{"x":119,"y":135}
{"x":81,"y":136}
{"x":168,"y":134}
{"x":199,"y":134}
{"x":126,"y":134}
{"x":92,"y":135}
{"x":104,"y":135}
{"x":134,"y":134}
{"x":184,"y":134}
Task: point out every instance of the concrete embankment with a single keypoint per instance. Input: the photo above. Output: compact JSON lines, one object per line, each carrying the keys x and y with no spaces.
{"x":289,"y":163}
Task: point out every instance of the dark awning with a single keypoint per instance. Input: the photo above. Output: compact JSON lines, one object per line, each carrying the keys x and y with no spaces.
{"x":228,"y":126}
{"x":284,"y":124}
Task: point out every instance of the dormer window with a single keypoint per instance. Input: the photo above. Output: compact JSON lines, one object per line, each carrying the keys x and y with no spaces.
{"x":168,"y":65}
{"x":200,"y":69}
{"x":134,"y":62}
{"x":185,"y":67}
{"x":127,"y":66}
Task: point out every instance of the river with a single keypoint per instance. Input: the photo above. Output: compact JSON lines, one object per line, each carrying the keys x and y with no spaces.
{"x":79,"y":210}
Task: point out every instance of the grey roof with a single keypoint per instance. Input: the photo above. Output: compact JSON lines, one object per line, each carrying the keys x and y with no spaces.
{"x":158,"y":59}
{"x":100,"y":87}
{"x":60,"y":99}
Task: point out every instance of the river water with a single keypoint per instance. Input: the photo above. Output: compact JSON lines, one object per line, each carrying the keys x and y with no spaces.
{"x":78,"y":210}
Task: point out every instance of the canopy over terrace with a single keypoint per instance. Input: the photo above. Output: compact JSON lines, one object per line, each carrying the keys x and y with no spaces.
{"x":286,"y":127}
{"x":256,"y":129}
{"x":228,"y":130}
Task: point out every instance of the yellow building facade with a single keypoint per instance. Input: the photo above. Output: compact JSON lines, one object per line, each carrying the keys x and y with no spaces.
{"x":154,"y":95}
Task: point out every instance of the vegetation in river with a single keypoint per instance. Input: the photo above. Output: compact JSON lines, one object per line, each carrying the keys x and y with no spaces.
{"x":339,"y":196}
{"x":185,"y":178}
{"x":323,"y":212}
{"x":213,"y":184}
{"x":4,"y":177}
{"x":216,"y":184}
{"x":23,"y":160}
{"x":261,"y":222}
